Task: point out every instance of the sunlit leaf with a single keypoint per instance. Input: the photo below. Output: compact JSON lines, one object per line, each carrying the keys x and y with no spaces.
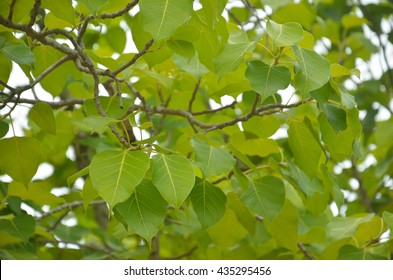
{"x":173,"y":175}
{"x":286,"y":34}
{"x":161,"y":18}
{"x":343,"y":227}
{"x":37,"y":191}
{"x":314,"y":70}
{"x":306,"y":150}
{"x":337,"y":70}
{"x":62,"y":9}
{"x":20,"y":157}
{"x":115,"y":174}
{"x":93,"y":5}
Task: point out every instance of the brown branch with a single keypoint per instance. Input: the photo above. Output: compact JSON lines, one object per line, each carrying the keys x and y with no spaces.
{"x":304,"y":250}
{"x":53,"y":104}
{"x":68,"y":206}
{"x":134,"y":59}
{"x":193,"y":96}
{"x":121,"y":12}
{"x":232,"y":106}
{"x":11,"y":12}
{"x":34,"y":12}
{"x":83,"y":27}
{"x":261,"y":111}
{"x":39,"y":37}
{"x":58,"y":221}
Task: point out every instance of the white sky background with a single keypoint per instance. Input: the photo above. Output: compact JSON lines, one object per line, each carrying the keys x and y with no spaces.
{"x":20,"y":120}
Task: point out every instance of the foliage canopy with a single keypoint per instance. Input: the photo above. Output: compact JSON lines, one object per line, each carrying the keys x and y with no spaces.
{"x":151,"y":160}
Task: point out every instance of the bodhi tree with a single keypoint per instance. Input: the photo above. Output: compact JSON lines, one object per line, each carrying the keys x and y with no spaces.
{"x":208,"y":129}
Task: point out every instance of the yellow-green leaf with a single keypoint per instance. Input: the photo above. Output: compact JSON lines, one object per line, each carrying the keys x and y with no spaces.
{"x":42,"y":115}
{"x":286,"y":34}
{"x":115,"y":174}
{"x":20,"y":157}
{"x":173,"y":175}
{"x":306,"y":150}
{"x":161,"y":18}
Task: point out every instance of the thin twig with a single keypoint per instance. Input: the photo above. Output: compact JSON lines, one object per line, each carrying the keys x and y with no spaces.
{"x":134,"y":59}
{"x":34,"y":12}
{"x":69,"y":206}
{"x":184,"y":255}
{"x":80,"y":245}
{"x":232,"y":106}
{"x":193,"y":96}
{"x":53,"y":104}
{"x":304,"y":250}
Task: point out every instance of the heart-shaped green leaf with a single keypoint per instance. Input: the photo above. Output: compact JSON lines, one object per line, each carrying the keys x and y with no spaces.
{"x":115,"y":174}
{"x":265,"y":196}
{"x":144,"y":211}
{"x":173,"y":175}
{"x":267,"y":79}
{"x":20,"y":157}
{"x":286,"y":34}
{"x":211,"y":160}
{"x":208,"y":202}
{"x":314,"y":70}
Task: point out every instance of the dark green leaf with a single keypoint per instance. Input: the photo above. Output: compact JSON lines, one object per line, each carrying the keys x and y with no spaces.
{"x":21,"y":226}
{"x":208,"y":202}
{"x":336,"y":116}
{"x":18,"y":53}
{"x":144,"y":211}
{"x":3,"y":128}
